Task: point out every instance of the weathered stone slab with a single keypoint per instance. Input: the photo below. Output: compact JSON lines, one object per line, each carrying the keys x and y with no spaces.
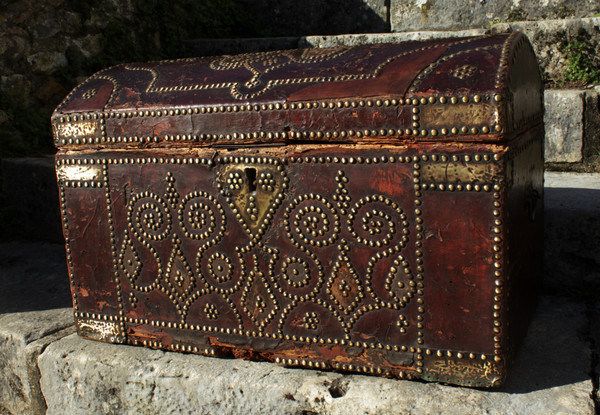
{"x":368,"y":38}
{"x":553,"y":39}
{"x":81,"y":377}
{"x":34,"y":311}
{"x":208,"y":47}
{"x":564,"y":125}
{"x":23,"y":336}
{"x":572,"y":233}
{"x":461,"y":14}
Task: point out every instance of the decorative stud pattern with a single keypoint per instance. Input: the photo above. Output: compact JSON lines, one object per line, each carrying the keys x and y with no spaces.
{"x":311,"y":320}
{"x":257,"y":300}
{"x":344,"y":285}
{"x":211,"y":311}
{"x":66,"y":227}
{"x":295,"y":272}
{"x":89,"y":93}
{"x":464,"y":71}
{"x":311,"y":223}
{"x":260,"y":64}
{"x":149,"y":217}
{"x":64,"y":136}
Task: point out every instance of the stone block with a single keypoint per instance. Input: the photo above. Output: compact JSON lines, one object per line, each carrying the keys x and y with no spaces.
{"x":564,"y":125}
{"x":23,"y":336}
{"x":408,"y":15}
{"x":80,"y":377}
{"x":572,"y":233}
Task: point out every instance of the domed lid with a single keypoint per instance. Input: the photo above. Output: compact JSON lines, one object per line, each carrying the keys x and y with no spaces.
{"x":471,"y":89}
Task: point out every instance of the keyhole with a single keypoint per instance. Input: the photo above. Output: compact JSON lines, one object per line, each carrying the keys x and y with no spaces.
{"x":251,"y":176}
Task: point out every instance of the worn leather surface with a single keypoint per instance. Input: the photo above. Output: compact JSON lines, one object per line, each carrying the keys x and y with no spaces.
{"x":293,"y":75}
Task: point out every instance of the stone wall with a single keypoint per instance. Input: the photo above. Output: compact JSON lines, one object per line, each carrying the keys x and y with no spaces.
{"x":408,"y":15}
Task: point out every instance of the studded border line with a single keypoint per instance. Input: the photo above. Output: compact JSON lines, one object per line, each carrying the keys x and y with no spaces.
{"x":496,"y":190}
{"x":65,"y":224}
{"x":414,"y":130}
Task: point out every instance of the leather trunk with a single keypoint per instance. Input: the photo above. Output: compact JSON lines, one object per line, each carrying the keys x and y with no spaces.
{"x":373,"y":209}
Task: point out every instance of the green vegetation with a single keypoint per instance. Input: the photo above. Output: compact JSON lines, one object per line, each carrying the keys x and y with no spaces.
{"x":496,"y":21}
{"x":583,"y":64}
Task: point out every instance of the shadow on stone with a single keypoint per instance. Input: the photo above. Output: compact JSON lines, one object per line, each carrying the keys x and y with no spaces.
{"x":29,"y":204}
{"x":33,"y":277}
{"x":555,"y":351}
{"x":318,"y":17}
{"x":289,"y":22}
{"x":572,"y":237}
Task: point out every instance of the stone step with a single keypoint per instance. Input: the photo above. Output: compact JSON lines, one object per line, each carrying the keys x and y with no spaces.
{"x":45,"y":365}
{"x":81,"y":377}
{"x":23,"y":337}
{"x":572,"y":233}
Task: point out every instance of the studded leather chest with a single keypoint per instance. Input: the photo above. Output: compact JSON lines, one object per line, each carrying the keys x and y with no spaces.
{"x":373,"y":209}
